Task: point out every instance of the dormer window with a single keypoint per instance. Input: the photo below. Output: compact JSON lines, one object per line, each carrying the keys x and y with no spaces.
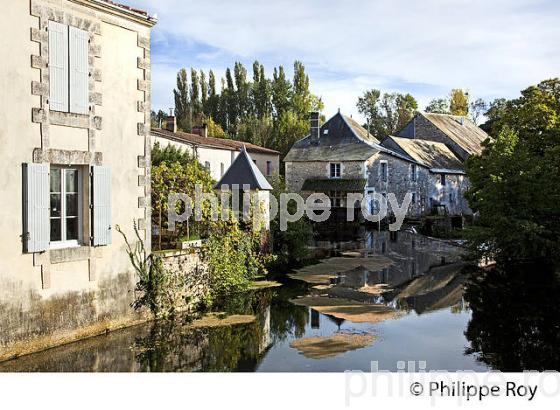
{"x":335,"y":170}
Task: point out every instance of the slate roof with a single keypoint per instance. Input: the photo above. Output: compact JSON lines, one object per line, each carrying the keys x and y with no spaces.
{"x":433,"y":155}
{"x":461,"y":130}
{"x":221,"y":143}
{"x":342,"y":184}
{"x":243,"y":171}
{"x":340,"y":139}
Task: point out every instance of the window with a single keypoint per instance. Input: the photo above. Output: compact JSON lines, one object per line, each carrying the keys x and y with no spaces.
{"x":413,"y":172}
{"x":442,"y":179}
{"x":65,"y":206}
{"x":335,"y":170}
{"x":221,"y":169}
{"x":269,"y":168}
{"x":336,"y":198}
{"x":68,"y":69}
{"x":413,"y":201}
{"x":384,"y":171}
{"x":54,"y":206}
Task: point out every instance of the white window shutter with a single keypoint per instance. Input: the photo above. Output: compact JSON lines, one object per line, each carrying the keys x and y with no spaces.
{"x":58,"y":66}
{"x":101,"y":192}
{"x":79,"y":70}
{"x":36,"y":219}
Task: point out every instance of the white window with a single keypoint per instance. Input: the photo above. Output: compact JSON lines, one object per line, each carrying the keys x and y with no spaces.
{"x":65,"y":206}
{"x":413,"y":172}
{"x":68,"y":69}
{"x":54,"y":206}
{"x":268,"y":168}
{"x":335,"y":170}
{"x":383,"y":171}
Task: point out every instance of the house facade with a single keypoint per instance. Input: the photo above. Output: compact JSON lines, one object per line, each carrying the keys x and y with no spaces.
{"x":341,"y":157}
{"x":75,"y":155}
{"x":216,"y":154}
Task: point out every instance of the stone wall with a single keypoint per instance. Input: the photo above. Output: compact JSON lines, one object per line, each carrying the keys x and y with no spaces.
{"x":189,"y":263}
{"x":298,"y":172}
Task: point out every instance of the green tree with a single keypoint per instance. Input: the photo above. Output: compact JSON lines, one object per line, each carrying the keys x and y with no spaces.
{"x":458,"y":102}
{"x":196,"y":106}
{"x":386,"y":114}
{"x":204,"y":94}
{"x":515,"y":182}
{"x":438,"y":106}
{"x":477,"y":109}
{"x":182,"y":101}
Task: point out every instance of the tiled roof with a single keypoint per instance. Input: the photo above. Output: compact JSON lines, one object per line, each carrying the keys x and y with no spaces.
{"x":220,"y":143}
{"x":463,"y":131}
{"x":433,"y":155}
{"x":243,"y":171}
{"x":123,"y":6}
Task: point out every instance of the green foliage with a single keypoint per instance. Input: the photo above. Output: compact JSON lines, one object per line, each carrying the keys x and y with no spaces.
{"x":176,"y":171}
{"x":515,"y":183}
{"x":290,"y":246}
{"x":388,"y":113}
{"x":438,"y":106}
{"x":458,"y":102}
{"x":234,"y":257}
{"x":268,"y":112}
{"x":162,"y":291}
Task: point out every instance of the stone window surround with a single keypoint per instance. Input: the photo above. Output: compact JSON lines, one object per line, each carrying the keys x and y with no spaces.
{"x":45,"y":11}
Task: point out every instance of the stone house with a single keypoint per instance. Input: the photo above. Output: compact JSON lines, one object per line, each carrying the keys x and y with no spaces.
{"x":462,"y":136}
{"x":216,"y":154}
{"x":75,"y":155}
{"x":341,"y":156}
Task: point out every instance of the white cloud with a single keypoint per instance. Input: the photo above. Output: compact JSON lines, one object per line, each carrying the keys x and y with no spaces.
{"x":492,"y":48}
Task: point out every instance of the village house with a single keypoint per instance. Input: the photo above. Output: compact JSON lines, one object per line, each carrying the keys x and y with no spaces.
{"x":340,"y":157}
{"x":462,"y":136}
{"x":216,"y":154}
{"x":75,"y":160}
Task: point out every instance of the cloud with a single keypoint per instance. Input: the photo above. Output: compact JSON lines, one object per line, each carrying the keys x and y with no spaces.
{"x":424,"y":47}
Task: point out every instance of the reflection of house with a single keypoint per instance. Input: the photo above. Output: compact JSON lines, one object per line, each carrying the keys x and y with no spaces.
{"x":75,"y":111}
{"x":216,"y":154}
{"x":426,"y":160}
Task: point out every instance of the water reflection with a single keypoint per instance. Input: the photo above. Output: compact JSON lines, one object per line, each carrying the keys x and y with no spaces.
{"x":515,"y":323}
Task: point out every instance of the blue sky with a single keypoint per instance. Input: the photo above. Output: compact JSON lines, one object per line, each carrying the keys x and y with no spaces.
{"x":491,"y":48}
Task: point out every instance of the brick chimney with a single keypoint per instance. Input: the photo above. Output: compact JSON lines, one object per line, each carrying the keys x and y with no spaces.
{"x":171,"y":123}
{"x":314,"y":125}
{"x":202,"y":131}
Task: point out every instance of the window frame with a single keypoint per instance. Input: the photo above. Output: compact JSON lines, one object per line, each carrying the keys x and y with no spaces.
{"x":68,"y":109}
{"x":63,"y":242}
{"x":384,"y":171}
{"x":337,"y":167}
{"x":413,"y":172}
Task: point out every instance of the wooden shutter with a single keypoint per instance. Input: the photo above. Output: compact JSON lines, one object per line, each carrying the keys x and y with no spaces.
{"x":36,"y":232}
{"x":79,"y":70}
{"x":58,"y":66}
{"x":101,"y":209}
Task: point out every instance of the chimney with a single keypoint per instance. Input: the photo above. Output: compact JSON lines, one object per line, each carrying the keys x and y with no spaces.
{"x":314,"y":125}
{"x":171,"y":123}
{"x":205,"y":130}
{"x":202,"y":131}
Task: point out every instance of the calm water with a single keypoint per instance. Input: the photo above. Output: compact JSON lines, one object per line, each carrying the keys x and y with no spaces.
{"x":503,"y":324}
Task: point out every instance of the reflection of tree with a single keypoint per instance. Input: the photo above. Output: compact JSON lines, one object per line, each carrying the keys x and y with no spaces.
{"x":515,"y":321}
{"x":285,"y":317}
